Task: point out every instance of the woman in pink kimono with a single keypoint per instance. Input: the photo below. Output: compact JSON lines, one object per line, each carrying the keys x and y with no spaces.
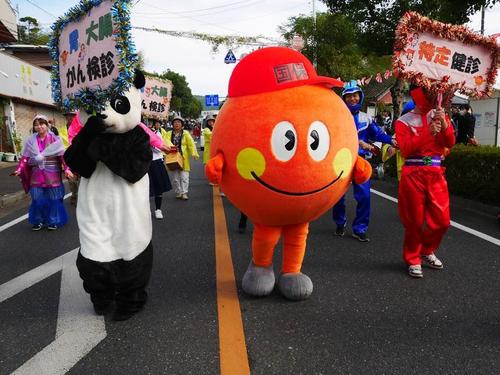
{"x":40,"y":171}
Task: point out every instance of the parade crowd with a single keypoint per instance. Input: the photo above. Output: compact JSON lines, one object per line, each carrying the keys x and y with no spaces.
{"x":421,"y":138}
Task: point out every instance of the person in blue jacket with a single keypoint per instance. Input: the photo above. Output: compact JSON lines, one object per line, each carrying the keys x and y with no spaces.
{"x":368,"y":131}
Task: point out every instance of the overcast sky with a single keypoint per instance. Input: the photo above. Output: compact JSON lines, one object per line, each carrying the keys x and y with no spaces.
{"x":205,"y":71}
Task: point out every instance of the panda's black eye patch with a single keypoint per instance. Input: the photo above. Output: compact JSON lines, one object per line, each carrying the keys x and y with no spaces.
{"x":121,"y":105}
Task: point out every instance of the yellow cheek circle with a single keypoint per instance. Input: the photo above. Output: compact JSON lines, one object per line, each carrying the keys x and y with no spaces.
{"x":343,"y":162}
{"x":250,"y":160}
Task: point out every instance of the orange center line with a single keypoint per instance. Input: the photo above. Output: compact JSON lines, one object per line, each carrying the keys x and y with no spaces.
{"x":232,"y":346}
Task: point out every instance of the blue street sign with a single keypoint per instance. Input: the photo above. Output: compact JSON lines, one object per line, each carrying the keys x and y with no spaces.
{"x":212,"y":100}
{"x":230,"y":58}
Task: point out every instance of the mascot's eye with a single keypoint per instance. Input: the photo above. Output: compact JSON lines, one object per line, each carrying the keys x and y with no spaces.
{"x":284,"y":141}
{"x":121,"y":105}
{"x":319,"y":141}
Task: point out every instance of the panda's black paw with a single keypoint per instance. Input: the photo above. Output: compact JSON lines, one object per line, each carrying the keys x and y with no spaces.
{"x":95,"y":125}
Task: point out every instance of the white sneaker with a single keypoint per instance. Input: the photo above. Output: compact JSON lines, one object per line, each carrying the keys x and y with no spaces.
{"x":184,"y":197}
{"x":415,"y":271}
{"x":179,"y":196}
{"x":158,"y":214}
{"x":433,"y":261}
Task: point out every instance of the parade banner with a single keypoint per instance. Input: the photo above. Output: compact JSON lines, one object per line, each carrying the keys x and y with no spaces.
{"x":93,"y":54}
{"x":443,"y":57}
{"x":156,"y":96}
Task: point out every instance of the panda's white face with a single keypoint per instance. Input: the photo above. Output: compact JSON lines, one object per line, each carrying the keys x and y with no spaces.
{"x":123,"y":112}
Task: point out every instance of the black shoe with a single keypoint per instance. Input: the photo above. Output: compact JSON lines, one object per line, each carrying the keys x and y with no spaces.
{"x":52,"y":227}
{"x":37,"y":227}
{"x":340,"y":231}
{"x":361,"y":237}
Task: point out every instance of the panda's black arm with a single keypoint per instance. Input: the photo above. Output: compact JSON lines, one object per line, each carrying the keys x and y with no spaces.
{"x":128,"y":155}
{"x":76,"y":156}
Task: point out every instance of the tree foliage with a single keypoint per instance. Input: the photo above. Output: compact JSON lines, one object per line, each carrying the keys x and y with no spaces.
{"x":29,"y":32}
{"x":333,"y":41}
{"x":182,"y":100}
{"x":376,"y":20}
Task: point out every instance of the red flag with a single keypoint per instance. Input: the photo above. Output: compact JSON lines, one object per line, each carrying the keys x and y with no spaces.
{"x":378,"y":78}
{"x":387,"y":73}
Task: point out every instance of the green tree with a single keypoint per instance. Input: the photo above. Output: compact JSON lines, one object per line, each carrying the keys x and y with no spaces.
{"x":182,"y":100}
{"x":376,"y":20}
{"x":333,"y":41}
{"x":29,"y":32}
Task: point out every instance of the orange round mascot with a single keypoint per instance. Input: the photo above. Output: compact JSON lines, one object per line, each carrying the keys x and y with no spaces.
{"x":284,"y":150}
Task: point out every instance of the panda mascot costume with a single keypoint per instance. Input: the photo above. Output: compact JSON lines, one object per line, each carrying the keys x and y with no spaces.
{"x":112,"y":154}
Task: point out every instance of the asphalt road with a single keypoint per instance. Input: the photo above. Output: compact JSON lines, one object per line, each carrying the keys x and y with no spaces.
{"x":365,"y":316}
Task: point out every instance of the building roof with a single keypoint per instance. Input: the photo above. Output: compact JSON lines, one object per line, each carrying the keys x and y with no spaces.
{"x":375,"y":91}
{"x":36,"y":55}
{"x":8,"y":26}
{"x":26,"y":48}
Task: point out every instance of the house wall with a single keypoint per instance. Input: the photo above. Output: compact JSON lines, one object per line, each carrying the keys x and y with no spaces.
{"x":26,"y":112}
{"x":486,"y":113}
{"x":8,"y":32}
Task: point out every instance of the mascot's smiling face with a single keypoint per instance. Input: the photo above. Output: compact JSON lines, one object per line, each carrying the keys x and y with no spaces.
{"x":289,"y":153}
{"x":123,"y":112}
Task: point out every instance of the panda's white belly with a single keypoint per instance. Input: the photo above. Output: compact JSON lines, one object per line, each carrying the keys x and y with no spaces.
{"x":113,"y":216}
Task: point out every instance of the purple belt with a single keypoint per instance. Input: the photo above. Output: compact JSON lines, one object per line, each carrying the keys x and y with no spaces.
{"x":426,"y":161}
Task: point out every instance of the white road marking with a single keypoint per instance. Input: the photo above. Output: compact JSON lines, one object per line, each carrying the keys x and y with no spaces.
{"x":483,"y":236}
{"x":19,"y":219}
{"x":24,"y":281}
{"x":79,"y":330}
{"x":13,"y":222}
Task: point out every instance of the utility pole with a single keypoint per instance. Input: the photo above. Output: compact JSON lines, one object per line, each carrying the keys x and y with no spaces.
{"x":314,"y":34}
{"x":482,"y":20}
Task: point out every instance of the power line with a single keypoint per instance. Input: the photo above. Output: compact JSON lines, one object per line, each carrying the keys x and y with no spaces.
{"x":197,"y":20}
{"x":39,"y":7}
{"x":210,"y":12}
{"x":194,"y":19}
{"x":211,"y":8}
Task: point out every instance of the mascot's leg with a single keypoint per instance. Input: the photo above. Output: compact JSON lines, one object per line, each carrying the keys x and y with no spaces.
{"x":132,"y":277}
{"x":292,"y":283}
{"x":98,"y":282}
{"x":259,"y":278}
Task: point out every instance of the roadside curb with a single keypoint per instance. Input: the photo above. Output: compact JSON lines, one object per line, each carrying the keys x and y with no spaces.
{"x":11,"y":199}
{"x":8,"y":200}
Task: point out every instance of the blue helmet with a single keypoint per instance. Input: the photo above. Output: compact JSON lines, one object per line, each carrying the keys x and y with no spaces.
{"x":350,"y":88}
{"x":409,"y":106}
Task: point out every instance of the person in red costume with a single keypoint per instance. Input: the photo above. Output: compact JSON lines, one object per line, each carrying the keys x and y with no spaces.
{"x":424,"y":135}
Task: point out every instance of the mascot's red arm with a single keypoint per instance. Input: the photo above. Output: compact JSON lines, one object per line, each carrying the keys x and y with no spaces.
{"x":213,"y":169}
{"x":362,"y":171}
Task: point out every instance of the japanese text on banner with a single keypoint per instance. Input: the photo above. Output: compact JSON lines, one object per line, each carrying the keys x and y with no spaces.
{"x":87,"y":53}
{"x":437,"y":57}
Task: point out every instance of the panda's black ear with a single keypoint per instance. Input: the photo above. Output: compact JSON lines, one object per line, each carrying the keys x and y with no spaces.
{"x":139,"y":80}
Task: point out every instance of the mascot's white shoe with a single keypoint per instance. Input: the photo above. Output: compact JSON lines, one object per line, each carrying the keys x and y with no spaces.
{"x":258,"y":281}
{"x":295,"y":286}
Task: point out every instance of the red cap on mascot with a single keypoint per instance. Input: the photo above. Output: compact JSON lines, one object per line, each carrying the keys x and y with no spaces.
{"x":275,"y":68}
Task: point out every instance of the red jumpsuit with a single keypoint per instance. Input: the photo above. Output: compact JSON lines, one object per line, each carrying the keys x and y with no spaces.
{"x":423,"y":191}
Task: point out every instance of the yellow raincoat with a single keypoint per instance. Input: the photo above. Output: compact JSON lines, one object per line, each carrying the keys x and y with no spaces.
{"x":188,"y":148}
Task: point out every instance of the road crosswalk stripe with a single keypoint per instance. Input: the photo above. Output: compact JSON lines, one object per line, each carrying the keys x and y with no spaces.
{"x":78,"y":331}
